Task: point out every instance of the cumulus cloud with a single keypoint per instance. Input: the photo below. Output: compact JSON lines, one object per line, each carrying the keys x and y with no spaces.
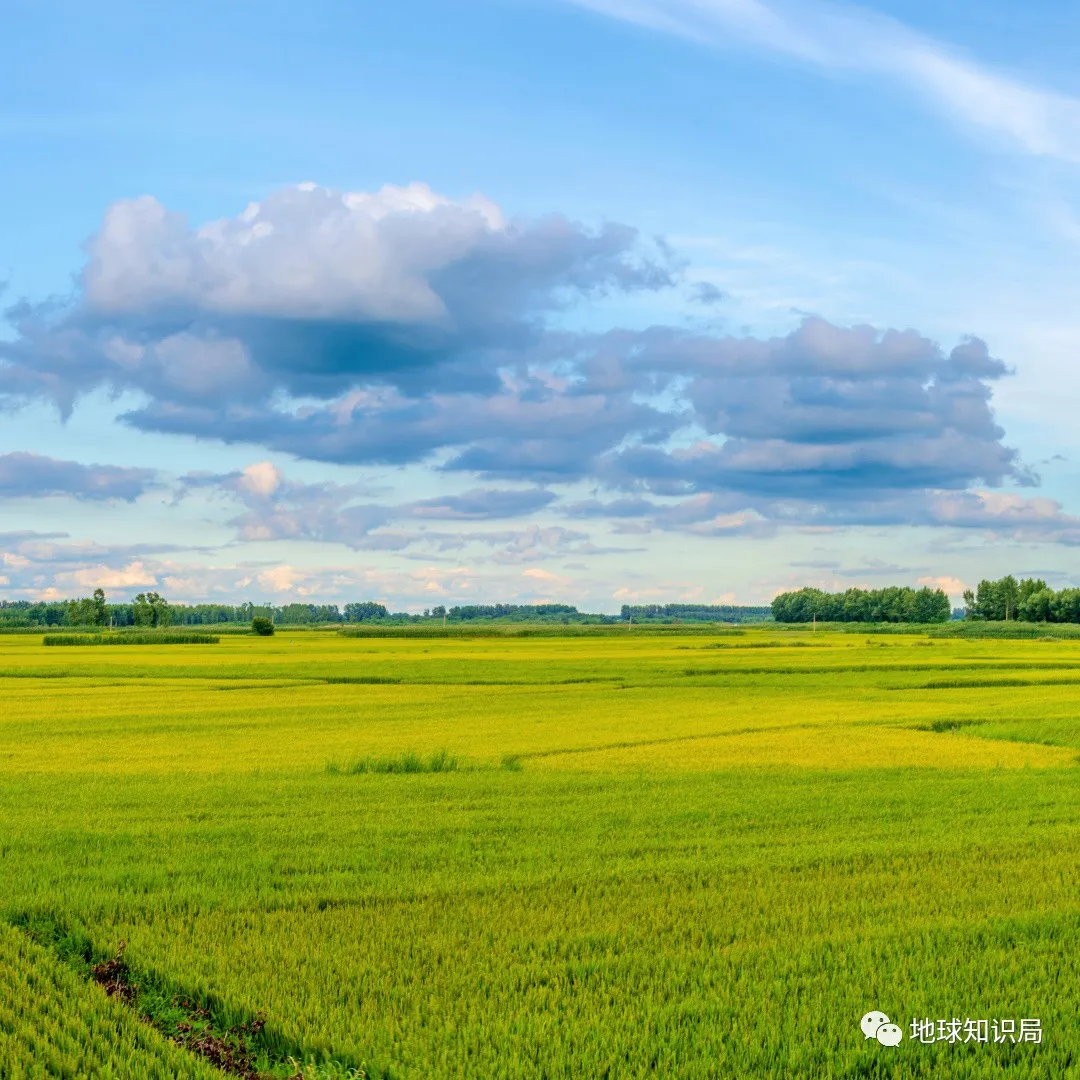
{"x":33,"y":475}
{"x":103,"y":577}
{"x":279,"y":508}
{"x":261,"y":479}
{"x":312,"y":292}
{"x":404,"y":256}
{"x":951,"y":586}
{"x":53,"y":566}
{"x":1005,"y":514}
{"x":403,"y":326}
{"x":823,"y":412}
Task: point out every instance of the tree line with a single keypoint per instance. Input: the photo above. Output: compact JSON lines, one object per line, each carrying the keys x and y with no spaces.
{"x":153,"y":610}
{"x":694,"y":613}
{"x":897,"y":604}
{"x":1027,"y":600}
{"x":146,"y":610}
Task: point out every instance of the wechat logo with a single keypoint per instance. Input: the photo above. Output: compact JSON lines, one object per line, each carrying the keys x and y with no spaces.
{"x":876,"y":1025}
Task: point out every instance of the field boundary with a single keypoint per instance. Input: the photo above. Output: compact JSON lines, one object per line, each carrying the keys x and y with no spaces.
{"x":630,"y":745}
{"x":235,"y":1041}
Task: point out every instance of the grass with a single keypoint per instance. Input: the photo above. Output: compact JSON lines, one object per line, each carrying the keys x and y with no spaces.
{"x":542,"y":856}
{"x":408,"y":762}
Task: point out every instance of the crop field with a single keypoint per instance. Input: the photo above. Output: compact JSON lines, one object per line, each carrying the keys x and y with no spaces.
{"x":643,"y":854}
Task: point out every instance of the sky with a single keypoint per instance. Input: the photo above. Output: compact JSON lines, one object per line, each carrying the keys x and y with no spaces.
{"x":588,"y":301}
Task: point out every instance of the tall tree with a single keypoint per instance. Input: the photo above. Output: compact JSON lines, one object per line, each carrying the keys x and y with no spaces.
{"x":101,"y":609}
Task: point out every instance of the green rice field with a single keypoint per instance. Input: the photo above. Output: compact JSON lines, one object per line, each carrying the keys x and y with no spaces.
{"x":592,"y":856}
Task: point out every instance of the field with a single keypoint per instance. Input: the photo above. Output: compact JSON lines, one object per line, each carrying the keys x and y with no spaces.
{"x":693,"y":856}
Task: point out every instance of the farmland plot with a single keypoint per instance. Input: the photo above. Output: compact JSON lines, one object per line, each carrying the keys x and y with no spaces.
{"x":646,"y":855}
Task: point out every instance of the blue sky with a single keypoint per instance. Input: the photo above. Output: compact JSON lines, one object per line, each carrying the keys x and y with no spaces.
{"x":588,"y":300}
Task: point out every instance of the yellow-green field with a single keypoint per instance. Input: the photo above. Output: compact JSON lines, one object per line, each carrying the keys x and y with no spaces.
{"x":680,"y":856}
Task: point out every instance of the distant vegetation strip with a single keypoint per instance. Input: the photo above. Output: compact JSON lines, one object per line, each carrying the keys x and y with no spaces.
{"x":153,"y":638}
{"x":152,"y":610}
{"x":1006,"y":608}
{"x":1029,"y":600}
{"x":1009,"y":630}
{"x":518,"y":630}
{"x":896,"y":604}
{"x":707,"y":613}
{"x":965,"y":628}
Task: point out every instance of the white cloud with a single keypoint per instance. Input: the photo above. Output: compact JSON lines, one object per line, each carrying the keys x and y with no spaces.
{"x":103,"y":577}
{"x":282,"y":579}
{"x":305,"y":252}
{"x":851,"y":39}
{"x":951,"y":586}
{"x":538,"y":574}
{"x":261,"y":479}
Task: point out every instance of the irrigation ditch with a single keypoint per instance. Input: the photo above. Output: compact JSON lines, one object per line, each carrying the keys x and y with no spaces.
{"x":238,"y":1043}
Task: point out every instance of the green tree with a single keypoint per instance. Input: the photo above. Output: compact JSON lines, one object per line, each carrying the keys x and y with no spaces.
{"x":971,"y":605}
{"x":1029,"y":587}
{"x":80,"y":612}
{"x":898,"y":604}
{"x":1038,"y":606}
{"x":988,"y":605}
{"x":365,"y":612}
{"x":141,"y":611}
{"x":931,"y":606}
{"x":1066,"y":606}
{"x":1008,"y":597}
{"x":151,"y":609}
{"x":1003,"y":600}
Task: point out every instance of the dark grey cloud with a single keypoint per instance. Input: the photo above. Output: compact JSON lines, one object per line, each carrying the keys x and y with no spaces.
{"x":482,"y":504}
{"x":705,"y":292}
{"x":520,"y":431}
{"x":35,"y":475}
{"x":60,"y":549}
{"x":880,"y":568}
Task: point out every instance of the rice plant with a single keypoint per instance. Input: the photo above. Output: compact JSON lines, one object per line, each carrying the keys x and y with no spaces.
{"x":535,"y":857}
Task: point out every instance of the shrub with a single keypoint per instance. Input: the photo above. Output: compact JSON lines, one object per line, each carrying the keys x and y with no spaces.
{"x":408,"y":762}
{"x":147,"y":637}
{"x":262,"y":626}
